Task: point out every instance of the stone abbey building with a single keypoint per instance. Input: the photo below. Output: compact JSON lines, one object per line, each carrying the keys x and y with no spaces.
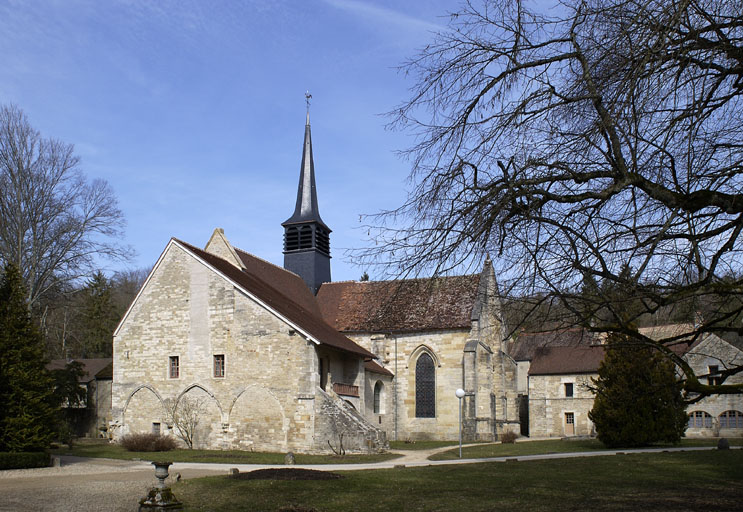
{"x":277,"y":359}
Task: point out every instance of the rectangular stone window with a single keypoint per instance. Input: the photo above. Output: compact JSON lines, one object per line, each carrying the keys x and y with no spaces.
{"x":174,"y":367}
{"x":714,"y":378}
{"x":156,"y":429}
{"x":219,"y":365}
{"x":568,"y":390}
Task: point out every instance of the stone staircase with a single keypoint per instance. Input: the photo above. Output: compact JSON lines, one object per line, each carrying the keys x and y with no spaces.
{"x":338,"y":423}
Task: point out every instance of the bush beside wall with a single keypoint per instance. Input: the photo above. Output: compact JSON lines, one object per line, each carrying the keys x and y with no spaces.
{"x":144,"y":442}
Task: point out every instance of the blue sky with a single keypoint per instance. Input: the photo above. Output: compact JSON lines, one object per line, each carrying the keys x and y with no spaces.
{"x":194,"y":110}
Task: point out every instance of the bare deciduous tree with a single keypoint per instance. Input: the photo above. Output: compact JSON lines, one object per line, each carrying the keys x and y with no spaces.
{"x":185,"y":415}
{"x":600,"y":140}
{"x":53,"y":222}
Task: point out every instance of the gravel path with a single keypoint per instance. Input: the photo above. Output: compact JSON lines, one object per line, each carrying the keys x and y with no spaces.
{"x":81,"y":485}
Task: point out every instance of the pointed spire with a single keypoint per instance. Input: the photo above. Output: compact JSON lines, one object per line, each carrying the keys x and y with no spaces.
{"x":307,"y":208}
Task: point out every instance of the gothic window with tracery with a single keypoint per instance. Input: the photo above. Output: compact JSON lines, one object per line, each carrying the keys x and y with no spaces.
{"x":425,"y":387}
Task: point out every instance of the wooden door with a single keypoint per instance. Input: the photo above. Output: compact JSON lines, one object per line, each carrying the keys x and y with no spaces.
{"x":569,"y":424}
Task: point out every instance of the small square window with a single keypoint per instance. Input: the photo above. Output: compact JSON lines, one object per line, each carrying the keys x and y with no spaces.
{"x":219,"y":365}
{"x":568,"y":389}
{"x":175,"y":369}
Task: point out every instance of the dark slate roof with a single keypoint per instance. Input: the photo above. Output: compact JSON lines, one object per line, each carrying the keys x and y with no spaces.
{"x":566,"y":360}
{"x":95,"y":368}
{"x":399,"y":306}
{"x":526,"y":344}
{"x":372,"y":366}
{"x":306,"y":209}
{"x":263,"y":280}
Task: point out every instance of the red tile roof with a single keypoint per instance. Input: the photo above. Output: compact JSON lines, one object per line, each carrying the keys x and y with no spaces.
{"x":372,"y":366}
{"x":566,"y":360}
{"x":399,"y":306}
{"x":288,"y":282}
{"x":574,"y":351}
{"x":263,"y":280}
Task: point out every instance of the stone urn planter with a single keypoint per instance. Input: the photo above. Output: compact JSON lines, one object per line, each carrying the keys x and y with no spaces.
{"x":160,"y":497}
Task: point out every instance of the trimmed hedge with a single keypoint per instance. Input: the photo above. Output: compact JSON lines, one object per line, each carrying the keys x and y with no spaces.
{"x":23,"y":460}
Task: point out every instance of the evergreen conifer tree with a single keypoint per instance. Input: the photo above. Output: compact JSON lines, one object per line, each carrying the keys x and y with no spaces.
{"x":99,"y":317}
{"x":638,"y":397}
{"x":27,"y":414}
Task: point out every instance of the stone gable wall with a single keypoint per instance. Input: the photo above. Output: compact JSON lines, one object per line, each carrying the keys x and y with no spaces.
{"x":714,"y":351}
{"x":266,"y":399}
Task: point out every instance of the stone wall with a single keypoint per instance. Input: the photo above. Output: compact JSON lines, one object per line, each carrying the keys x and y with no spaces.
{"x":385,"y":418}
{"x":548,"y":405}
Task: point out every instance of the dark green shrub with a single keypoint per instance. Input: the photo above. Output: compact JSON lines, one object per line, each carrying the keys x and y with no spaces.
{"x":148,"y":442}
{"x":638,"y":397}
{"x":22,"y":460}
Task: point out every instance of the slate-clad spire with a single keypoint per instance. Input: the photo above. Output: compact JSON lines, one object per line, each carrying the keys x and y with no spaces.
{"x":306,"y":237}
{"x":306,"y":208}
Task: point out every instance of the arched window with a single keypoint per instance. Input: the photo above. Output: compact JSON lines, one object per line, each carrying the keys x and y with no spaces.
{"x":425,"y":387}
{"x":700,"y":419}
{"x":378,"y":398}
{"x":731,"y":419}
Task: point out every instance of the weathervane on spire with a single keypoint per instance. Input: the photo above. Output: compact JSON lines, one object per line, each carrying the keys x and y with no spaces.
{"x":307,"y":98}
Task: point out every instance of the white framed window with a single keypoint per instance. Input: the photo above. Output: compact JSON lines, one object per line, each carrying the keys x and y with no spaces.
{"x":700,"y":419}
{"x":731,"y":419}
{"x":219,"y":366}
{"x":174,"y":367}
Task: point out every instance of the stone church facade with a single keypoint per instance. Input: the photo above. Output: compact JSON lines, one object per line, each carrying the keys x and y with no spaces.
{"x":271,"y":358}
{"x":240,"y":353}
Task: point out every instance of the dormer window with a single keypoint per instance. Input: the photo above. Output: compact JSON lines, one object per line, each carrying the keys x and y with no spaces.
{"x":714,"y":378}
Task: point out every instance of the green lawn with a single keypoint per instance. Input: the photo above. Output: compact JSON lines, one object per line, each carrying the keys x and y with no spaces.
{"x":551,"y":446}
{"x":421,"y":445}
{"x":709,"y":480}
{"x":114,"y":451}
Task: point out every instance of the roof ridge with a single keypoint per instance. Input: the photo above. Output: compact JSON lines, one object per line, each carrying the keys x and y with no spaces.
{"x":372,"y":281}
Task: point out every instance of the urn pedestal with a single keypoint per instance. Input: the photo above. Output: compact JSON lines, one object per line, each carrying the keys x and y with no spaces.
{"x":160,"y":497}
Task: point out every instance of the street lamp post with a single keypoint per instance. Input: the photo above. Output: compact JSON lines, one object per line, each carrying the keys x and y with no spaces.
{"x":460,"y":394}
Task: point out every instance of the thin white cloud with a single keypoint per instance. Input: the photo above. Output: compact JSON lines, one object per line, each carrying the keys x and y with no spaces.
{"x":383,"y":15}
